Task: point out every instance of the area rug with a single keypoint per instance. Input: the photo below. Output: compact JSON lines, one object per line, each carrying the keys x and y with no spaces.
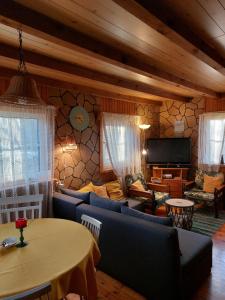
{"x":205,"y":223}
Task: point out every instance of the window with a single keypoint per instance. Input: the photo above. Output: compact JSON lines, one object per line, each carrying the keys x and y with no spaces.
{"x":120,"y":143}
{"x":215,"y":139}
{"x":211,"y":140}
{"x":24,"y":149}
{"x":119,"y":132}
{"x":20,"y":149}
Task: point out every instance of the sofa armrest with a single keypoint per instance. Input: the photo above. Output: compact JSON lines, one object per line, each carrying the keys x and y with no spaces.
{"x":64,"y":206}
{"x":145,"y":194}
{"x":159,"y":187}
{"x":188,"y":185}
{"x":221,"y":188}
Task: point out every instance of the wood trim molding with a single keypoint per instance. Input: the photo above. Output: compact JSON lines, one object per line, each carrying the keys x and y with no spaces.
{"x":16,"y":15}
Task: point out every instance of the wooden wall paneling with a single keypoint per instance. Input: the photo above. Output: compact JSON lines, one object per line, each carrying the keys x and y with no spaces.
{"x":117,"y":106}
{"x":3,"y":85}
{"x":213,"y":105}
{"x":43,"y":27}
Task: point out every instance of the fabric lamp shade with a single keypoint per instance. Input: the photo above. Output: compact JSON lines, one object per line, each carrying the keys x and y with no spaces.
{"x":22,"y":90}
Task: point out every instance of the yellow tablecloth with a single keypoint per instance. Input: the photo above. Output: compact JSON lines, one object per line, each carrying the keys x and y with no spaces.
{"x":59,"y":251}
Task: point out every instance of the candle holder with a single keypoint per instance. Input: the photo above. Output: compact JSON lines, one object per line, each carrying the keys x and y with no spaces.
{"x":21,"y":244}
{"x":21,"y":223}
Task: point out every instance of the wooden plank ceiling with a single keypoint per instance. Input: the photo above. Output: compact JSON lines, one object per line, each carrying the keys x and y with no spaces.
{"x":146,"y":49}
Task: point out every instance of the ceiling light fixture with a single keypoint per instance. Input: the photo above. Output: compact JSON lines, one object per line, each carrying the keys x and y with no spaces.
{"x":144,"y":127}
{"x":22,"y":88}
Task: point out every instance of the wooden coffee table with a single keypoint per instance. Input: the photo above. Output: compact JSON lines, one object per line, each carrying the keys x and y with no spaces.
{"x":182,"y":212}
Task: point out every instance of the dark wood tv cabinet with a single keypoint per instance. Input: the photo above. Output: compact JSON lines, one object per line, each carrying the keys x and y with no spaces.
{"x":178,"y":176}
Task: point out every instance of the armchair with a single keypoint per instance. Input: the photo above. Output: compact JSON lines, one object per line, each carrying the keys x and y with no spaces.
{"x":193,"y":190}
{"x":154,"y":195}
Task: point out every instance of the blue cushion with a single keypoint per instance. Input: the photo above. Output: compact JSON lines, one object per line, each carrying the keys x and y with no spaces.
{"x":138,"y":214}
{"x":83,"y":196}
{"x":106,"y":203}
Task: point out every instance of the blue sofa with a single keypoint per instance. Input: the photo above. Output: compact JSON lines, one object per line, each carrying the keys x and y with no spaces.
{"x":160,"y":262}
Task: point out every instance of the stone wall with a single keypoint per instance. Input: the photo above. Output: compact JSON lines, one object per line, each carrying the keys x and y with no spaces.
{"x":83,"y":164}
{"x":189,"y":112}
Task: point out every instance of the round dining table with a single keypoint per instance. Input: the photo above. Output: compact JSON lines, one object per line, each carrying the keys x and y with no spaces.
{"x":59,"y":251}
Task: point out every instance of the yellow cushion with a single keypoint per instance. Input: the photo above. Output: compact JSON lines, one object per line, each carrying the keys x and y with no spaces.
{"x":137,"y":185}
{"x":114,"y":190}
{"x":212,"y":182}
{"x":87,"y":188}
{"x":100,"y":190}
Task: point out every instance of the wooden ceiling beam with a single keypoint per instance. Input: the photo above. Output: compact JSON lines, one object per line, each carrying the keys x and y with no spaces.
{"x":16,"y":15}
{"x":8,"y":73}
{"x":161,"y":19}
{"x":51,"y":63}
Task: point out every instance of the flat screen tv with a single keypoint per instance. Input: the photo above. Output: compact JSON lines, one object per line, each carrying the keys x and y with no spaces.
{"x":169,"y":151}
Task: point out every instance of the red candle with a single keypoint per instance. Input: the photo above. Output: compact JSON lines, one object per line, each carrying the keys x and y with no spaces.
{"x":21,"y":223}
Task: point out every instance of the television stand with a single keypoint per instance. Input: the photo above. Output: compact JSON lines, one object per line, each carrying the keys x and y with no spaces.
{"x":173,"y":177}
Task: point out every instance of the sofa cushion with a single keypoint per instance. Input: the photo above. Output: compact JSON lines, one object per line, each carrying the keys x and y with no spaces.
{"x":85,"y":196}
{"x":136,"y":204}
{"x":196,"y":259}
{"x":106,"y":203}
{"x":138,"y":214}
{"x":114,"y":190}
{"x":197,"y":194}
{"x":64,"y":206}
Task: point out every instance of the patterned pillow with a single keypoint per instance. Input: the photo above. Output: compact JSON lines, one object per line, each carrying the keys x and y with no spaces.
{"x":199,"y":177}
{"x":137,"y":186}
{"x":129,"y":179}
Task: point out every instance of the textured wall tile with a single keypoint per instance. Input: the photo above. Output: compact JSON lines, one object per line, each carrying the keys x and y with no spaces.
{"x":189,"y":113}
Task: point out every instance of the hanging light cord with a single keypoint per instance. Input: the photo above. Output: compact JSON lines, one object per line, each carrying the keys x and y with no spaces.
{"x":22,"y":66}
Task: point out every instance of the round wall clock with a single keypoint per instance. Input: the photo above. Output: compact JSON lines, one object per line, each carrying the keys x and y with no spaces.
{"x":79,"y":118}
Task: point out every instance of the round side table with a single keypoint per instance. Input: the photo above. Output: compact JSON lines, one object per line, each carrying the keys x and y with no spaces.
{"x":182,"y":212}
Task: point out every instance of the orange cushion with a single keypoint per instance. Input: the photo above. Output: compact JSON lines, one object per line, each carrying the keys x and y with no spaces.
{"x":114,"y":190}
{"x":100,"y":190}
{"x":212,"y":182}
{"x":87,"y":188}
{"x":138,"y":186}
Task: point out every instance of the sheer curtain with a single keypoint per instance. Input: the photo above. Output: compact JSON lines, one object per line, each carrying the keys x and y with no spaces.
{"x":122,"y":138}
{"x":26,"y":151}
{"x":211,"y":140}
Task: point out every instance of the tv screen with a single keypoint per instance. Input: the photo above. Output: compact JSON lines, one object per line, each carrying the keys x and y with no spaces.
{"x":169,"y":151}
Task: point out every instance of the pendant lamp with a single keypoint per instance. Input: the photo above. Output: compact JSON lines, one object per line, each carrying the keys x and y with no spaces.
{"x":22,"y":88}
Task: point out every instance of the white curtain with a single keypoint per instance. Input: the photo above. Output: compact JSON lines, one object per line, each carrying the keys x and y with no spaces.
{"x":122,"y":138}
{"x":211,"y":140}
{"x":26,"y":151}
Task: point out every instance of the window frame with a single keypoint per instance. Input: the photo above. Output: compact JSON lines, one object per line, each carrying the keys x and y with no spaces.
{"x":40,"y":145}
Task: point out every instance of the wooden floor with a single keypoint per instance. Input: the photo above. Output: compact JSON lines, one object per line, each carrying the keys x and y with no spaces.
{"x":212,"y":289}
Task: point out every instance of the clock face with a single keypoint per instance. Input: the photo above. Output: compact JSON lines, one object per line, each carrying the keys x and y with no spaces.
{"x":79,"y":118}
